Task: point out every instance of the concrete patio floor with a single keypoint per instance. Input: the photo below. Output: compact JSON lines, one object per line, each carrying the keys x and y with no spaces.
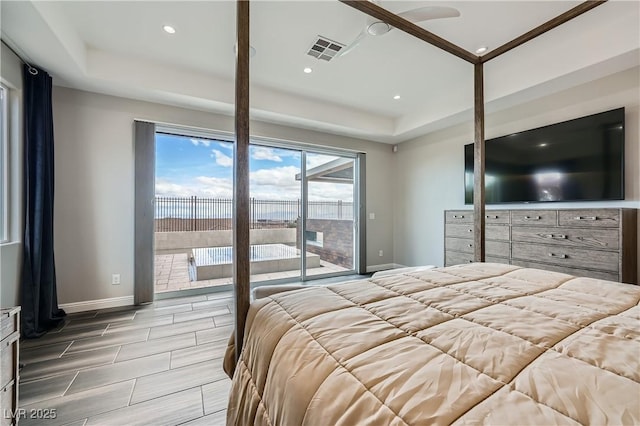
{"x":172,"y":274}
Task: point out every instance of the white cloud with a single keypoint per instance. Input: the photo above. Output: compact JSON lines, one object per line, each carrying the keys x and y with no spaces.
{"x":327,"y":191}
{"x":214,"y":187}
{"x":164,"y":188}
{"x":202,"y":186}
{"x":226,"y":145}
{"x":264,"y":153}
{"x":222,"y":159}
{"x":204,"y":142}
{"x":278,"y":183}
{"x":315,"y":160}
{"x":266,"y":184}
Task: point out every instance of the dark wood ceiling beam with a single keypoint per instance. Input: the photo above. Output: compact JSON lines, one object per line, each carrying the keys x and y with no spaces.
{"x":241,"y":223}
{"x":402,"y":24}
{"x":547,"y":26}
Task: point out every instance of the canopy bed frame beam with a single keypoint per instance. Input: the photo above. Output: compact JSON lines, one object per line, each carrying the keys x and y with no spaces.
{"x":241,"y":206}
{"x":241,"y":243}
{"x":478,"y":164}
{"x":547,"y":26}
{"x":395,"y":21}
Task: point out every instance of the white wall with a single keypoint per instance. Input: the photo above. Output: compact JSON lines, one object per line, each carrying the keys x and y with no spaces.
{"x":94,"y":205}
{"x":11,"y":252}
{"x":430,"y":169}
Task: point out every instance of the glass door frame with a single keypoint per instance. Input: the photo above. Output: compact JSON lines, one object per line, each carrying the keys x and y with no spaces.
{"x":359,"y":243}
{"x":150,"y":157}
{"x":359,"y":264}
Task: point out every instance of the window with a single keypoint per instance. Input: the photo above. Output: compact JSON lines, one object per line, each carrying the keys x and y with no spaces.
{"x":4,"y":173}
{"x":315,"y":238}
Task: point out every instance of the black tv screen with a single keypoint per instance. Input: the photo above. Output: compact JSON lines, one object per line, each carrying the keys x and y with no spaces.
{"x":576,"y":160}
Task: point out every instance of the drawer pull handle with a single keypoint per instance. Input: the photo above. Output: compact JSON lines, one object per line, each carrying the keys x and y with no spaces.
{"x":532,"y":218}
{"x":560,"y":256}
{"x":491,"y":217}
{"x":586,"y":217}
{"x":469,"y":245}
{"x":556,"y":237}
{"x":455,"y":216}
{"x":469,"y":230}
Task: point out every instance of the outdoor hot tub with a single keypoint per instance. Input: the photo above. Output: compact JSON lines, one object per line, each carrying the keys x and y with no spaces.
{"x":215,"y":262}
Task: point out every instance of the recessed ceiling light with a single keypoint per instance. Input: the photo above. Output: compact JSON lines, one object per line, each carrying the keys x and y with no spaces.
{"x":308,"y":70}
{"x":169,"y":29}
{"x":481,"y":50}
{"x":396,"y":97}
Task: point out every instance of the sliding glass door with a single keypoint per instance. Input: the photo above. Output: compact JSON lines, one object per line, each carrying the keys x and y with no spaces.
{"x":193,"y":212}
{"x":275,"y":200}
{"x":303,"y":212}
{"x":329,"y":225}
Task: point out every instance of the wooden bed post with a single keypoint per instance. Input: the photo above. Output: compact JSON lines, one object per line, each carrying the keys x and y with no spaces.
{"x":478,"y":166}
{"x":241,"y":242}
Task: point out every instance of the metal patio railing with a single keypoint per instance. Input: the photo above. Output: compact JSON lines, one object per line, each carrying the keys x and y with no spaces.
{"x":183,"y":214}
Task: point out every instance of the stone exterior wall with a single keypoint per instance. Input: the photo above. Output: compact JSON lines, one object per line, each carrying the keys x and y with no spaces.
{"x":337,"y":245}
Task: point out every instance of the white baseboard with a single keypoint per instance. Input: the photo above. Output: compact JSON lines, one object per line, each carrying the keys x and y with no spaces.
{"x":384,"y":267}
{"x":93,"y":305}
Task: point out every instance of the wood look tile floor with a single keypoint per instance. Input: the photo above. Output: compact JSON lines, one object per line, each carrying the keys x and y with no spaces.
{"x":152,"y":365}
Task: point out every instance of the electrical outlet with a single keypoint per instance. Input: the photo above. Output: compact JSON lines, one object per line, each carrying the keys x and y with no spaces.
{"x":380,"y":253}
{"x":372,"y":216}
{"x":115,"y":279}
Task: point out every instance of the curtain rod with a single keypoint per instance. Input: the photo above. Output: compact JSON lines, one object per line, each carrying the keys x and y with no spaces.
{"x":13,"y":47}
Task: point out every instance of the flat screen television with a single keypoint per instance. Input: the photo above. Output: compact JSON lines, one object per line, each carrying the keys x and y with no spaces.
{"x":576,"y":160}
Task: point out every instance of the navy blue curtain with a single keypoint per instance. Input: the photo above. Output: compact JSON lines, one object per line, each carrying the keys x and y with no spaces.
{"x":40,"y":311}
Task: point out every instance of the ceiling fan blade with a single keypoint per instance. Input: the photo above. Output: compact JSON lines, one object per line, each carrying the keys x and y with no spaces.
{"x":429,"y":12}
{"x":354,"y":44}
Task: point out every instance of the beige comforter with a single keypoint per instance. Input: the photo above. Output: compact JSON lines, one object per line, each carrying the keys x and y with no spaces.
{"x":472,"y":344}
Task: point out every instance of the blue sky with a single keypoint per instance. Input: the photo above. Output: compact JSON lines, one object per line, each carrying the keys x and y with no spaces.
{"x":188,"y":166}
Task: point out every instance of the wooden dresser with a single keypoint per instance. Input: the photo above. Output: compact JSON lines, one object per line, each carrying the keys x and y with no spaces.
{"x":597,"y":243}
{"x":9,"y":342}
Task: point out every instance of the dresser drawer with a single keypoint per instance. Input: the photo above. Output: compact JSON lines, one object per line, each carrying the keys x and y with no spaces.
{"x":493,"y":248}
{"x":497,"y":249}
{"x":604,"y":218}
{"x":492,"y":232}
{"x":600,"y":275}
{"x":8,"y":359}
{"x":464,"y":245}
{"x":457,"y":258}
{"x":605,"y":239}
{"x":566,"y":256}
{"x":7,"y":397}
{"x":497,"y":232}
{"x":459,"y":230}
{"x":496,"y":216}
{"x":458,"y":216}
{"x":466,"y":216}
{"x":9,"y":322}
{"x":534,"y":217}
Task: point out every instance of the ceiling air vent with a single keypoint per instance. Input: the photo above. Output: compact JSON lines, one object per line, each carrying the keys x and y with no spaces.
{"x":325,"y":49}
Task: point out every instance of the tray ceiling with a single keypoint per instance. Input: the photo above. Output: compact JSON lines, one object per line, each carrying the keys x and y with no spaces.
{"x":120,"y":48}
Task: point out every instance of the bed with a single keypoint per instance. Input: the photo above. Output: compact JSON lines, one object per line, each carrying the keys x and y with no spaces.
{"x":470,"y":344}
